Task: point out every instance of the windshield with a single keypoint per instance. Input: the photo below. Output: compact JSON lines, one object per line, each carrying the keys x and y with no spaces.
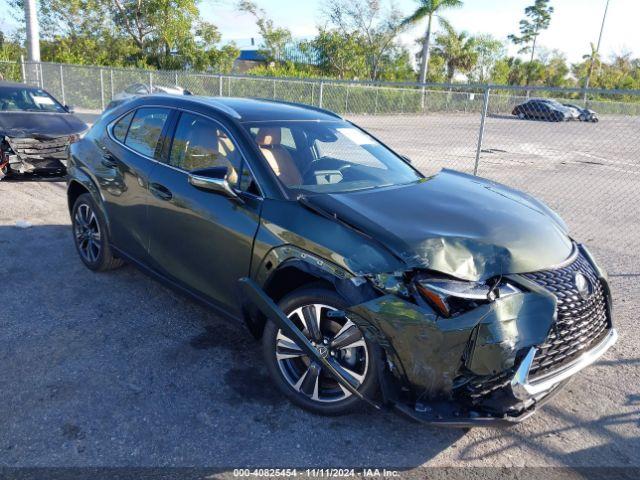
{"x":328,"y":157}
{"x":24,"y":99}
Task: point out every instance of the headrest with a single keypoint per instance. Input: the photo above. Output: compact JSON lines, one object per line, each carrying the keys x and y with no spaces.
{"x":268,"y":136}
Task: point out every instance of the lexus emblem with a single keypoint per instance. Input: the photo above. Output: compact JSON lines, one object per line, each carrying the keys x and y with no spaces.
{"x":323,"y":351}
{"x":583,"y":285}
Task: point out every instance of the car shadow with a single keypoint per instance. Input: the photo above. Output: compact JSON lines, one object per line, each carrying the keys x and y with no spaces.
{"x":115,"y":369}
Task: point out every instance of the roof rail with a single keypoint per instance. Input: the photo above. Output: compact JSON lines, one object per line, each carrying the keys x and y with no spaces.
{"x":302,"y":105}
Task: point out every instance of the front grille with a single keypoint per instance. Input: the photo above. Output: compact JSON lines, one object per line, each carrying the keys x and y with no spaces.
{"x":35,"y":150}
{"x":580,"y":324}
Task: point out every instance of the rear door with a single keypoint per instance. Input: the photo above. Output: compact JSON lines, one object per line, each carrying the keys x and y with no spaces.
{"x":198,"y":238}
{"x":131,"y":148}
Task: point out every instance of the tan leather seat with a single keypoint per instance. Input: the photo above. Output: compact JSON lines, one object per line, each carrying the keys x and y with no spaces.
{"x":227,"y":149}
{"x":279,"y":159}
{"x":201,"y":148}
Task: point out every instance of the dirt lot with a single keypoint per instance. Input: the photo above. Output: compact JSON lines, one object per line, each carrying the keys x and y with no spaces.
{"x":115,"y":370}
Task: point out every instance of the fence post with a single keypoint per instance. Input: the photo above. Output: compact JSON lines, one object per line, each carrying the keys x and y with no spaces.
{"x":39,"y":64}
{"x":64,"y":98}
{"x":485,"y":107}
{"x":375,"y":107}
{"x":346,"y":100}
{"x":274,"y":89}
{"x":150,"y":82}
{"x":23,"y":69}
{"x":176,"y":73}
{"x":220,"y":85}
{"x":111,"y":83}
{"x":320,"y":94}
{"x":101,"y":90}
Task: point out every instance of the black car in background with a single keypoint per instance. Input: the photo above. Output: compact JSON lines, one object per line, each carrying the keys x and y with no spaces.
{"x":35,"y":130}
{"x":545,"y":109}
{"x":585,"y":114}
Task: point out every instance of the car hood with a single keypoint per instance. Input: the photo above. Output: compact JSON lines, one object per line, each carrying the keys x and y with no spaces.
{"x":456,"y":224}
{"x":28,"y":124}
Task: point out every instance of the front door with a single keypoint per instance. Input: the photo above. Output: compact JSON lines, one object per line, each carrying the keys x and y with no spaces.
{"x":199,"y":238}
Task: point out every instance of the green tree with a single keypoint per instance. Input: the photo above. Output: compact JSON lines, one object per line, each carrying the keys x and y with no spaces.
{"x":339,"y":54}
{"x":490,"y":51}
{"x":376,"y":28}
{"x":428,"y":9}
{"x":457,"y":49}
{"x":275,"y":38}
{"x":556,"y":68}
{"x":539,"y":18}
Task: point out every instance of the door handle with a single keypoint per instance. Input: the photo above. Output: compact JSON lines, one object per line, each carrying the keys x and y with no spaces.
{"x":160,"y":191}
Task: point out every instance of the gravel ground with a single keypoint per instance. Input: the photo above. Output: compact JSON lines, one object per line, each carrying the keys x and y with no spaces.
{"x":115,"y":370}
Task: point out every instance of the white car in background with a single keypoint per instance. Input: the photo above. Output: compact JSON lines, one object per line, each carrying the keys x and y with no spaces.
{"x":140,"y":89}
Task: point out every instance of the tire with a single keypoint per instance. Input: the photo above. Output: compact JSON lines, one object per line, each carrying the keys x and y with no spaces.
{"x":522,"y":116}
{"x":91,"y":237}
{"x":329,"y":399}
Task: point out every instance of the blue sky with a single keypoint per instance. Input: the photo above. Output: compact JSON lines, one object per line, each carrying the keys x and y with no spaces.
{"x":575,"y":23}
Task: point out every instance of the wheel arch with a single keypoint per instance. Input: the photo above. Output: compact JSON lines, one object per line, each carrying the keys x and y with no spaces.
{"x":287,"y":268}
{"x":80,"y":184}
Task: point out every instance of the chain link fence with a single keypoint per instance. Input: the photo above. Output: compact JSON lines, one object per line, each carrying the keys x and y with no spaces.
{"x":589,"y":172}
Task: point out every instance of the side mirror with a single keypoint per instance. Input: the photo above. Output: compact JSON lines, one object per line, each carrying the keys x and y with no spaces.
{"x":70,"y":108}
{"x":212,"y":184}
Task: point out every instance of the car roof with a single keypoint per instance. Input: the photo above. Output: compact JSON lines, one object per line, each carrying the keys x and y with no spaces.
{"x":249,"y":109}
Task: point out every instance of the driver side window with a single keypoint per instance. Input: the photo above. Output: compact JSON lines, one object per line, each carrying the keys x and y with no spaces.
{"x":199,"y":143}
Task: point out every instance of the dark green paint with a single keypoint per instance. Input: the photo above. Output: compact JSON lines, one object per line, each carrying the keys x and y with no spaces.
{"x":451,"y":223}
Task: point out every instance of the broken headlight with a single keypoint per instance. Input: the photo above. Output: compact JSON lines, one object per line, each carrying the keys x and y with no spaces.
{"x":450,"y":297}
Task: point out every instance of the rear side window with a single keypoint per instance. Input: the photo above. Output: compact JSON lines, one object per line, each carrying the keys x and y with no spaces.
{"x":145,"y":130}
{"x":121,"y":126}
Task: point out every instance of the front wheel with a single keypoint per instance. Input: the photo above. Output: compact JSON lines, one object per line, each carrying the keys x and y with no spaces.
{"x":302,"y":379}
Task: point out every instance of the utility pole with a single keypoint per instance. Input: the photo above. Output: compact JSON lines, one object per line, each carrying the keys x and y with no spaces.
{"x":586,"y":83}
{"x":33,"y":30}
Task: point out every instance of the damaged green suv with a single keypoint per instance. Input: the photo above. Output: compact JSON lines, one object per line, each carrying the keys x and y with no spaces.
{"x":451,"y":298}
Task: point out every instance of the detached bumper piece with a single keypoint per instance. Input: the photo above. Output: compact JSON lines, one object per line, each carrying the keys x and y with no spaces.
{"x":30,"y":154}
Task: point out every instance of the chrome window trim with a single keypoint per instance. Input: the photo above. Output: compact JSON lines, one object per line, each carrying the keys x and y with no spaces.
{"x":110,"y":126}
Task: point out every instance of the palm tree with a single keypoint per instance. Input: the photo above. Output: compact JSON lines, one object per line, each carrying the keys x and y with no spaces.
{"x":428,"y":9}
{"x":593,"y":58}
{"x":458,"y":50}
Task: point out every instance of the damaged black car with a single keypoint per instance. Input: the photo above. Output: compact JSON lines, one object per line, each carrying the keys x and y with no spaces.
{"x":455,"y":300}
{"x":35,"y":131}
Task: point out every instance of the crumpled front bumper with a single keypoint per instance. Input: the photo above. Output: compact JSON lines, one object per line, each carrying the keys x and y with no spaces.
{"x":531,"y":394}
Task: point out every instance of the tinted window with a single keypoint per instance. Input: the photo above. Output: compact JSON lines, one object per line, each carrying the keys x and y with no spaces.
{"x":121,"y":126}
{"x":200,"y":143}
{"x":145,"y":130}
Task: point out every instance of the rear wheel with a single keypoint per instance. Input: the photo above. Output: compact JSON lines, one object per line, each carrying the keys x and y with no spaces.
{"x":90,"y":235}
{"x":301,"y":378}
